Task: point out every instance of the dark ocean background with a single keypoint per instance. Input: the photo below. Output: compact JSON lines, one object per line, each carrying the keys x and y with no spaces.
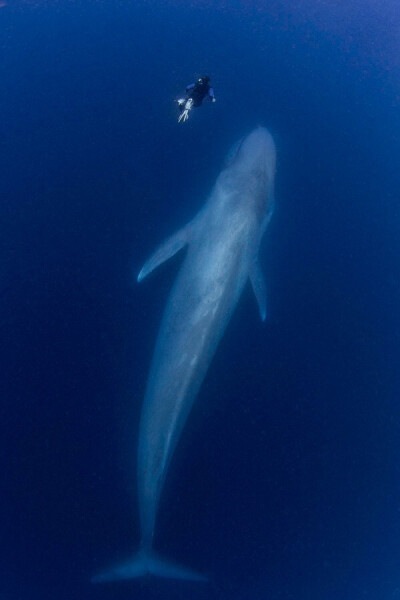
{"x":286,"y":482}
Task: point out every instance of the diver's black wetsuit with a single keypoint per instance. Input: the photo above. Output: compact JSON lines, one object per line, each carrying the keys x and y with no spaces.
{"x":199,"y":90}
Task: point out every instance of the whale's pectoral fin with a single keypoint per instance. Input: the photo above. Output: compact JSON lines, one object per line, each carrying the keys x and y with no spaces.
{"x":259,"y":288}
{"x":170,"y":247}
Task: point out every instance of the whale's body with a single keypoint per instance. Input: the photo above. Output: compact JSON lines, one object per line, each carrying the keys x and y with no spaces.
{"x":223,"y":242}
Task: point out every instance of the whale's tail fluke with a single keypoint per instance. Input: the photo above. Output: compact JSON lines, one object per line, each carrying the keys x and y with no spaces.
{"x":144,"y":564}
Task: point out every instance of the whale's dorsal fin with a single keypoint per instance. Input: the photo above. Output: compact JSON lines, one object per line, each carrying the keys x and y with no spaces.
{"x":259,"y":288}
{"x":170,"y":247}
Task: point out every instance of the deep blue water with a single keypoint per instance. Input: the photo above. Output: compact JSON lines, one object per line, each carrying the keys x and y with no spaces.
{"x":286,"y":483}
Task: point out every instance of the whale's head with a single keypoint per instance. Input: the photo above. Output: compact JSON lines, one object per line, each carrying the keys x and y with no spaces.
{"x":256,"y":152}
{"x":250,"y":169}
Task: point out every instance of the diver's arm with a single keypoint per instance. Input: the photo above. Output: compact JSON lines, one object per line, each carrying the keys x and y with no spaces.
{"x":210,"y":94}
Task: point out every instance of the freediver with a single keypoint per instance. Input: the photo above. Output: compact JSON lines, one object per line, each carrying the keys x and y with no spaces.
{"x":195,"y":94}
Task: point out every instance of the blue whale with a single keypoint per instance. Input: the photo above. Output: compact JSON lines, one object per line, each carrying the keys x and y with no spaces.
{"x":222,"y":243}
